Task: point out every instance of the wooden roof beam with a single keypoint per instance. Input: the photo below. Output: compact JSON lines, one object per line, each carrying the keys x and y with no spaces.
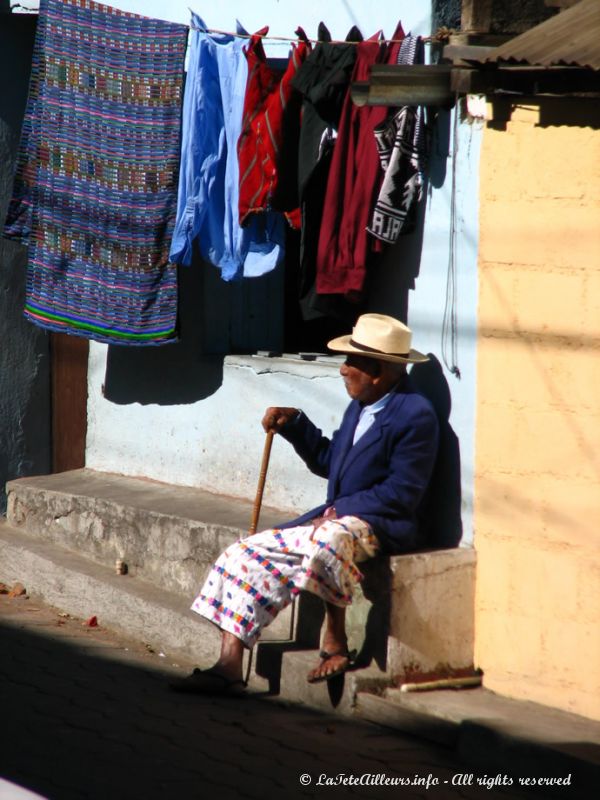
{"x":411,"y":85}
{"x":525,"y":80}
{"x":560,"y":3}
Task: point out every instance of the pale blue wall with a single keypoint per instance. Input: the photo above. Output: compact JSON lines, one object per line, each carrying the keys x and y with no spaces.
{"x":427,"y":301}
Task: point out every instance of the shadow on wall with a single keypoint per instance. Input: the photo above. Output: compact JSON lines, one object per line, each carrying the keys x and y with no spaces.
{"x":214,"y":318}
{"x":443,"y":500}
{"x":576,"y":112}
{"x":440,"y":148}
{"x":171,"y":374}
{"x":17,"y":33}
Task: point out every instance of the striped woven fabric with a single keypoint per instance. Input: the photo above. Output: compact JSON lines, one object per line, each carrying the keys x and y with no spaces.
{"x":95,"y":189}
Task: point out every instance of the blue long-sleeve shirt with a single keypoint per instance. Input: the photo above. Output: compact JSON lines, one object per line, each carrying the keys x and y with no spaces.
{"x":208,"y":196}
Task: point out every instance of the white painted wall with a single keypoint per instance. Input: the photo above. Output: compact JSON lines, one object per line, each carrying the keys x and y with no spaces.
{"x":216,"y":443}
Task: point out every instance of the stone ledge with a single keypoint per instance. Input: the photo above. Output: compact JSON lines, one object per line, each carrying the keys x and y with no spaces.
{"x":319,"y":366}
{"x":412,"y":616}
{"x":83,"y":588}
{"x":432,"y":622}
{"x":495,"y":733}
{"x":169,"y":535}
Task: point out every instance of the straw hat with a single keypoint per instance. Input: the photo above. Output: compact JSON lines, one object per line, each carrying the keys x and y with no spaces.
{"x":379,"y":336}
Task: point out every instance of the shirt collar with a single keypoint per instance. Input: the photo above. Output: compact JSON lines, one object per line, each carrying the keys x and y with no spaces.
{"x":373,"y":408}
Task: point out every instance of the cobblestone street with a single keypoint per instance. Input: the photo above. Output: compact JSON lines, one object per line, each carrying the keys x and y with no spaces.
{"x":88,"y":714}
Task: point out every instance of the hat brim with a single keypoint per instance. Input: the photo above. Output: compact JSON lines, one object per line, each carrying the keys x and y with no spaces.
{"x":342,"y":344}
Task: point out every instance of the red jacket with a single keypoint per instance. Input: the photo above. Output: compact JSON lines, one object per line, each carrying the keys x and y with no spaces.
{"x":353,"y":183}
{"x":271,"y":109}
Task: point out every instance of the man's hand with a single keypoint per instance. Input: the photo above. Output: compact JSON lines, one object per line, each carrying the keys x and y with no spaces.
{"x":328,"y":514}
{"x":275,"y":418}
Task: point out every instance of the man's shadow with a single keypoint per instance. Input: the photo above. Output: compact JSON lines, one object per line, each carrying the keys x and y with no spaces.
{"x":440,"y":518}
{"x":440,"y":521}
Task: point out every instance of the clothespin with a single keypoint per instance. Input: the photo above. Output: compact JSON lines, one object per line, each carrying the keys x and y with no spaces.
{"x":301,"y":34}
{"x":323,"y":34}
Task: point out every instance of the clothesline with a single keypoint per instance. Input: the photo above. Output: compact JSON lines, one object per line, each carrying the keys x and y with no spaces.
{"x":442,"y":34}
{"x":287,"y":39}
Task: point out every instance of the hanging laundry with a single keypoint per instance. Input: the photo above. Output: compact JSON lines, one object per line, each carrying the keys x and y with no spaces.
{"x":323,"y":79}
{"x":353,"y":183}
{"x":94,"y":192}
{"x":267,"y":148}
{"x":401,"y":143}
{"x":207,"y":206}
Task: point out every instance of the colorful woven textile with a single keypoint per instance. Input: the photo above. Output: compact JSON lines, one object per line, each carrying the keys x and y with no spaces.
{"x":257,"y":577}
{"x":95,"y":188}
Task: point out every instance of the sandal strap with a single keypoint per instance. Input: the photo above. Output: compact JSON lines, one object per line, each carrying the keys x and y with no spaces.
{"x":349,"y":654}
{"x":213,"y":674}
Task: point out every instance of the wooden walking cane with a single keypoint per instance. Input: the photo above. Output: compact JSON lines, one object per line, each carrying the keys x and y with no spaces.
{"x":261,"y":481}
{"x":256,"y":512}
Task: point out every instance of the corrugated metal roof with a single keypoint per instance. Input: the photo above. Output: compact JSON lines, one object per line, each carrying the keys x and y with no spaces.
{"x":571,"y":37}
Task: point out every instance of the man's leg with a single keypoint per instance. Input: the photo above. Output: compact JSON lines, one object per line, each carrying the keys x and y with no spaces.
{"x":257,"y":577}
{"x":335,"y":642}
{"x":249,"y":584}
{"x":231,"y":658}
{"x":330,"y":571}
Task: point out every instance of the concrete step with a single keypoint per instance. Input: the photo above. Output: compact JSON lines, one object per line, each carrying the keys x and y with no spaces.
{"x":497,"y":734}
{"x":166,"y":534}
{"x":338,"y":694}
{"x":127,"y":604}
{"x":84,"y":588}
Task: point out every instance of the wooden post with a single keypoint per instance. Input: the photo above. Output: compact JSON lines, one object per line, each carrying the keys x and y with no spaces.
{"x":476,"y":15}
{"x":69,"y":370}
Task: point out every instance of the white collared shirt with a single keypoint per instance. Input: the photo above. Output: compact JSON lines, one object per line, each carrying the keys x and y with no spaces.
{"x":367,"y":416}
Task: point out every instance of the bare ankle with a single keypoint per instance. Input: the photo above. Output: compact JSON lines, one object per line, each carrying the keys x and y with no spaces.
{"x":231,"y":658}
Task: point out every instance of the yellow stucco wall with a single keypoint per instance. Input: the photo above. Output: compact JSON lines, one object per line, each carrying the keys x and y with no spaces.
{"x":537,"y":506}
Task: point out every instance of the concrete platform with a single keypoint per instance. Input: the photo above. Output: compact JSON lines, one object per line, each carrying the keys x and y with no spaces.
{"x":169,"y":535}
{"x":497,"y":734}
{"x":64,"y":533}
{"x":83,"y":588}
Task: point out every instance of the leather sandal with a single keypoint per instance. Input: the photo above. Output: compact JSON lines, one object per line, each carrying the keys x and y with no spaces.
{"x":208,"y":682}
{"x":349,"y":655}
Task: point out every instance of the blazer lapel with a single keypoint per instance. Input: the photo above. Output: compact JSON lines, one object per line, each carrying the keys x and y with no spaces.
{"x":344,"y":444}
{"x":374,"y":433}
{"x":366,"y":440}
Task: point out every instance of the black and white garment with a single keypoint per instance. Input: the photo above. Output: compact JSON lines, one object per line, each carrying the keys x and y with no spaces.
{"x":401,"y":144}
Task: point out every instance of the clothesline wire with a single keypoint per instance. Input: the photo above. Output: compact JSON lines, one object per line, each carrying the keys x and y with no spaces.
{"x":283,"y":39}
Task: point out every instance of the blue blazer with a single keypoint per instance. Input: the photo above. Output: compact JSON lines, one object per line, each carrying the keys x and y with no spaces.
{"x":381,"y":479}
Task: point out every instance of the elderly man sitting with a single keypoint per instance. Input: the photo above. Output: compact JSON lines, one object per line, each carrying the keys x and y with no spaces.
{"x":378,"y":466}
